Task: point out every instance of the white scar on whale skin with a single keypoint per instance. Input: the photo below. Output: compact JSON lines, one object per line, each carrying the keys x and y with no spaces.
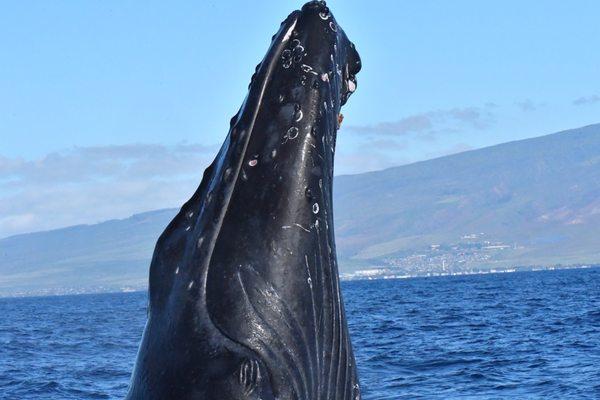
{"x":351,"y":86}
{"x":263,"y":332}
{"x":295,"y":224}
{"x":308,"y":69}
{"x":288,"y":34}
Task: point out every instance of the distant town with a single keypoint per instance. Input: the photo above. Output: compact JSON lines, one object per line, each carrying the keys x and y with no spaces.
{"x":472,"y":254}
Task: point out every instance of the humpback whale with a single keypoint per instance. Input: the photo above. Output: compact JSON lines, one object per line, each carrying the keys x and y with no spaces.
{"x":244,"y":294}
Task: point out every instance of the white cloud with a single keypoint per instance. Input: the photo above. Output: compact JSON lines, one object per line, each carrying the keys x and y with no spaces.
{"x":584,"y":100}
{"x":91,"y":184}
{"x":527,"y":105}
{"x":365,"y":160}
{"x":457,"y":148}
{"x":433,"y":123}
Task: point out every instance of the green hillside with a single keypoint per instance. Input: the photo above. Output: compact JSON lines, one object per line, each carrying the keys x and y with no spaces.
{"x":539,"y":196}
{"x":530,"y":202}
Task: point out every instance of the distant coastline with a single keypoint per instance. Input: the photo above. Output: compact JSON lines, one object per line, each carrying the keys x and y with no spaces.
{"x":387,"y":273}
{"x":524,"y":205}
{"x":374,"y":274}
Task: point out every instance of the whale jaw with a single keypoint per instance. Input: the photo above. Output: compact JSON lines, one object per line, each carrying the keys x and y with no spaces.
{"x":244,"y":296}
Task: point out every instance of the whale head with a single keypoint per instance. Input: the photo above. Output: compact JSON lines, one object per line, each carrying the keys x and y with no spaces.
{"x":244,"y":296}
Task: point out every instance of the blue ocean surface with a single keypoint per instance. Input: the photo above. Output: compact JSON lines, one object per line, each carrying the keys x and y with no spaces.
{"x":529,"y":335}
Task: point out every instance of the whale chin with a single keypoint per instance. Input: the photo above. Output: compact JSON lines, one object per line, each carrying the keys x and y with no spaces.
{"x":244,"y":294}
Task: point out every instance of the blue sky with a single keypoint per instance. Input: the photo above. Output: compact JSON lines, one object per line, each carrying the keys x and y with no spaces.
{"x":115,"y":107}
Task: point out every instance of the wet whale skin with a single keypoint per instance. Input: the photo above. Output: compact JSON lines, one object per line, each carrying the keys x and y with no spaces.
{"x":244,"y":295}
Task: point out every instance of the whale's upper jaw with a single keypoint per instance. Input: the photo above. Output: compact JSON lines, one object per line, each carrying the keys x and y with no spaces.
{"x":310,"y":39}
{"x":272,"y":279}
{"x":319,"y":23}
{"x":244,"y":298}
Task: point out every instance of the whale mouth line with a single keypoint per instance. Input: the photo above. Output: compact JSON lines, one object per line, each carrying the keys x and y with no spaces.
{"x":248,"y":303}
{"x":247,"y":137}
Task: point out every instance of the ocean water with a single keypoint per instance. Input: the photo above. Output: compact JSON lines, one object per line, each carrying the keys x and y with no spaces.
{"x":514,"y":336}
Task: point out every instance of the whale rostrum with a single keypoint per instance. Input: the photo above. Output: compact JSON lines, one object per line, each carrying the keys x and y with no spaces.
{"x":244,"y":294}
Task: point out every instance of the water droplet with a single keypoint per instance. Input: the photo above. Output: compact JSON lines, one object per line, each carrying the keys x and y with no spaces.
{"x":332,"y":26}
{"x":292,"y":133}
{"x":253,"y":162}
{"x":315,"y":208}
{"x":308,"y":193}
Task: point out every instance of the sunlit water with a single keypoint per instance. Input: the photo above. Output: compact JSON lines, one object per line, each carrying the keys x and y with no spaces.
{"x":514,"y":336}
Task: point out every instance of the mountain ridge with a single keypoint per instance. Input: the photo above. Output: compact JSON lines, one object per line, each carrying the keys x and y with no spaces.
{"x":527,"y":202}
